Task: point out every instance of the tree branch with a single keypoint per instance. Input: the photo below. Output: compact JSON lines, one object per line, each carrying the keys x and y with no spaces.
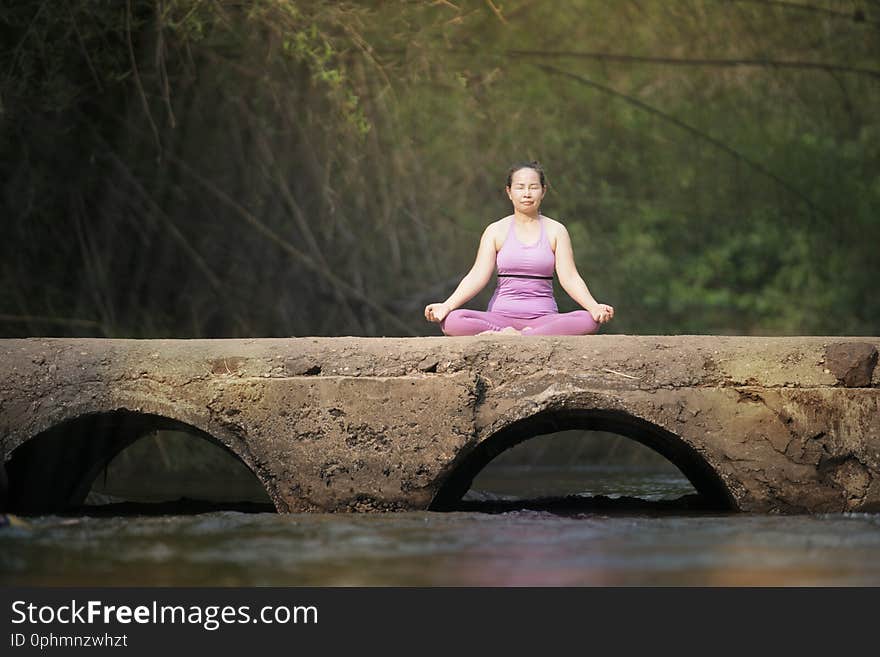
{"x":137,"y":78}
{"x":606,"y":57}
{"x":678,"y":61}
{"x":291,"y":250}
{"x":757,"y":166}
{"x":857,"y":15}
{"x":42,"y":319}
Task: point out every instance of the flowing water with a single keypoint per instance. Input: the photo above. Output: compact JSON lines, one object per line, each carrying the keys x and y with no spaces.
{"x":458,"y":548}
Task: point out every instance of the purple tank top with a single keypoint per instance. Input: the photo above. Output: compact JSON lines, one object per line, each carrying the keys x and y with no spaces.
{"x":524,"y":298}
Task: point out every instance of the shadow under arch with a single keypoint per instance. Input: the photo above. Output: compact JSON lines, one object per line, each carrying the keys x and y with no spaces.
{"x":54,"y":471}
{"x":692,"y":465}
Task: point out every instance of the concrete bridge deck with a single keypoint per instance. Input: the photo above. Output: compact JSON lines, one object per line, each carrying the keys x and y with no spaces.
{"x":370,"y":424}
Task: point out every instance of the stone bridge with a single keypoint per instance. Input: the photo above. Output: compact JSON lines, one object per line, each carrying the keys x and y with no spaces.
{"x":372,"y":424}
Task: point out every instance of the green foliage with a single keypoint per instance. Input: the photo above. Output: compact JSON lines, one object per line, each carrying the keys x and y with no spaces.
{"x":279,"y":167}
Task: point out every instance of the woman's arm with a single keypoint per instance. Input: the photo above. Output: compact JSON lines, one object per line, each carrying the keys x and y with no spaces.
{"x":571,"y":280}
{"x":477,"y":278}
{"x":474,"y":281}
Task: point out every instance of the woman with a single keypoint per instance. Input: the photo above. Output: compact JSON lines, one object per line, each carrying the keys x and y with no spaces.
{"x":526,"y":247}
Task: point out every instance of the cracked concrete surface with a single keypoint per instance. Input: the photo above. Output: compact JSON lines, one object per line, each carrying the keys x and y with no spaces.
{"x":370,"y":424}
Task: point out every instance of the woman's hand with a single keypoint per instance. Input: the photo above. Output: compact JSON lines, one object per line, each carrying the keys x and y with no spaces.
{"x":435,"y":312}
{"x":602,"y":313}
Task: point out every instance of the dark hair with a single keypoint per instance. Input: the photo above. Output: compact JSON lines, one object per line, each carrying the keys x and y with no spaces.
{"x":534,"y":164}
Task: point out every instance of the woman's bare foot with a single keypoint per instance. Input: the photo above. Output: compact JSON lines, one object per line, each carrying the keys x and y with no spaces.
{"x":508,"y":330}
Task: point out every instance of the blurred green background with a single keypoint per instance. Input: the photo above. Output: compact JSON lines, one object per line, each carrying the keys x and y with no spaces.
{"x":273,"y":168}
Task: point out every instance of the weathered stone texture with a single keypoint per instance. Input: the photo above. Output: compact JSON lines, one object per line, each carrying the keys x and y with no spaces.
{"x":366,"y":424}
{"x":852,"y":362}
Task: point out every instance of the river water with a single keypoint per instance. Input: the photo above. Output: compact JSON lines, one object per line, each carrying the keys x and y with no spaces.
{"x":521,"y":547}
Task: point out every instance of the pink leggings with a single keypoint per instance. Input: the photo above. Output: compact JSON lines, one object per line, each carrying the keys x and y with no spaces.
{"x":471,"y":322}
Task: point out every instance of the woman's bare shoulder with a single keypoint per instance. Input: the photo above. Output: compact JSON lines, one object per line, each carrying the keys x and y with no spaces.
{"x":552,"y":226}
{"x":497,"y":229}
{"x":500,"y":223}
{"x":553,"y":229}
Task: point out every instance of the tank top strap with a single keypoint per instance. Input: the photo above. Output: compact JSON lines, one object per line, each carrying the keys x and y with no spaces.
{"x":543,"y":234}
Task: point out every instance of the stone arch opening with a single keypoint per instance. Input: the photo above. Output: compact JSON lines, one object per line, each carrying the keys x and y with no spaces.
{"x":711,"y":491}
{"x":55,"y":471}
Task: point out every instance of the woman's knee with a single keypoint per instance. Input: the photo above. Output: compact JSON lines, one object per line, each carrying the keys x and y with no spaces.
{"x":451,"y":323}
{"x":590,"y":325}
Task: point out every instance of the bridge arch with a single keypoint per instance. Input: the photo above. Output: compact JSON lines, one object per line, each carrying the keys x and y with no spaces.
{"x":707,"y":482}
{"x":82,"y":444}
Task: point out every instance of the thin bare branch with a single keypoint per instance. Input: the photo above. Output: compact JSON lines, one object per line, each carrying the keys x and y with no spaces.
{"x":291,"y":250}
{"x":607,"y":57}
{"x":181,"y":239}
{"x":160,"y":65}
{"x":44,"y":319}
{"x":757,"y":166}
{"x":85,"y":50}
{"x":856,"y":16}
{"x":496,"y":11}
{"x":137,"y":78}
{"x":273,"y":172}
{"x":680,"y":61}
{"x":92,"y":262}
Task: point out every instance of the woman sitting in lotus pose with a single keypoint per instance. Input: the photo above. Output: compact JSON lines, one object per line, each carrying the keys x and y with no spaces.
{"x":526,"y":247}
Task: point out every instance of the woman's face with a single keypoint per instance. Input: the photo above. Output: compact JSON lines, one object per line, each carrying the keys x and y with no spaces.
{"x":525,"y":191}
